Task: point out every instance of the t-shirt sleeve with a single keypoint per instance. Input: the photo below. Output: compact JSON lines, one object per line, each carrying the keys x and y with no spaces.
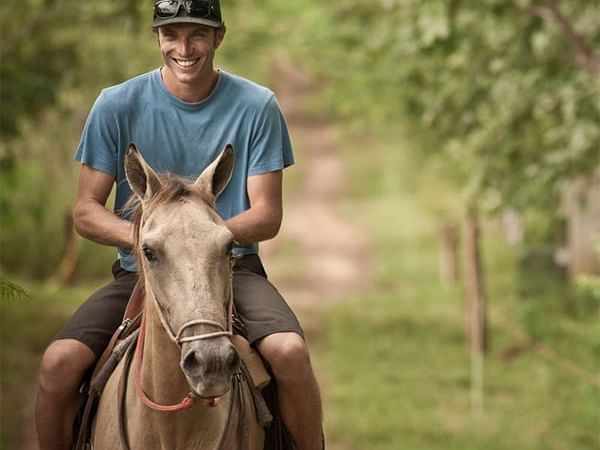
{"x":98,"y":146}
{"x":271,"y":148}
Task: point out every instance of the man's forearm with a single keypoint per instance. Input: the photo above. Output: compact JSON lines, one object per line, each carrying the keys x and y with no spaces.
{"x":93,"y":221}
{"x":254,"y":225}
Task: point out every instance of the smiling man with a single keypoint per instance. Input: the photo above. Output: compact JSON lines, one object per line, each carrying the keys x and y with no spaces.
{"x":180,"y":116}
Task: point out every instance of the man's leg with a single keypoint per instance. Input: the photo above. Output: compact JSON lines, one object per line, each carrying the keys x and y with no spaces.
{"x":63,"y":366}
{"x":75,"y":349}
{"x":274,"y":330}
{"x":299,"y":397}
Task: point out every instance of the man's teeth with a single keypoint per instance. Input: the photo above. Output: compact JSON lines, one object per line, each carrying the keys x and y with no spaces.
{"x":186,"y":62}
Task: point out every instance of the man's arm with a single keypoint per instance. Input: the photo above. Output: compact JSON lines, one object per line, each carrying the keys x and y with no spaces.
{"x":263,"y":219}
{"x":92,"y":220}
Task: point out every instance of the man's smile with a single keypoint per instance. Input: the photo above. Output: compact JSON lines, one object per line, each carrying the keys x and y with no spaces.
{"x":185,"y":63}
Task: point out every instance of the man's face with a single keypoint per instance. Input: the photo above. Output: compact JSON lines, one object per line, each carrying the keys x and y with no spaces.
{"x":188,"y":51}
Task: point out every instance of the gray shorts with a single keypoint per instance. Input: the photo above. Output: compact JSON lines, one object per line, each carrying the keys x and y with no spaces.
{"x":259,"y":306}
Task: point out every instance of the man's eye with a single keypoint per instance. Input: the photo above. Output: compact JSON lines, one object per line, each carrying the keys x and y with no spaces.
{"x":149,"y":254}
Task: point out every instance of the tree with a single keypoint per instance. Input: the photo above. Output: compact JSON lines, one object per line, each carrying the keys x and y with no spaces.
{"x":506,"y":91}
{"x":40,"y":50}
{"x":52,"y":66}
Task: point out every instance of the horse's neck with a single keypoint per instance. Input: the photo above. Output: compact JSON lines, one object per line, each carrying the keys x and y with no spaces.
{"x":162,"y":379}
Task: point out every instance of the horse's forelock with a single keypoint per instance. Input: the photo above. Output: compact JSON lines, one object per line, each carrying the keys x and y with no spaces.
{"x":173,"y":189}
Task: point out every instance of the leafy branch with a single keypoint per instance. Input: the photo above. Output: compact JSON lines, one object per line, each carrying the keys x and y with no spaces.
{"x":11,"y":291}
{"x":550,"y":11}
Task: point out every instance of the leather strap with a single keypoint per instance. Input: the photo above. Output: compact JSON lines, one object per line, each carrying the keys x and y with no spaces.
{"x":230,"y":437}
{"x":236,"y":433}
{"x":263,"y":415}
{"x":84,"y":429}
{"x":134,"y":306}
{"x":122,"y":397}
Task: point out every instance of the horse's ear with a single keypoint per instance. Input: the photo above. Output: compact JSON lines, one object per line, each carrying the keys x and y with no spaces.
{"x":216,"y":176}
{"x":142,"y":179}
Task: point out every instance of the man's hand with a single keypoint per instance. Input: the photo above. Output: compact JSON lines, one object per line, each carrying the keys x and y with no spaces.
{"x":262,"y":221}
{"x":90,"y":216}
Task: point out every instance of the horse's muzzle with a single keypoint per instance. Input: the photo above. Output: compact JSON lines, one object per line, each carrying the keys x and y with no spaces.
{"x":209,"y":365}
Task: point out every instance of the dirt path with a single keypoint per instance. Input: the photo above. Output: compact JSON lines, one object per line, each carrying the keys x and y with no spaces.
{"x":330,"y":255}
{"x":333,"y":250}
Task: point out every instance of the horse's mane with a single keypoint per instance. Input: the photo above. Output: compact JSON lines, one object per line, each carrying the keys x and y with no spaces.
{"x":173,"y":188}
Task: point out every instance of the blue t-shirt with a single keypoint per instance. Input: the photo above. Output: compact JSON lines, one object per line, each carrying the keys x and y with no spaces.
{"x":184,"y":138}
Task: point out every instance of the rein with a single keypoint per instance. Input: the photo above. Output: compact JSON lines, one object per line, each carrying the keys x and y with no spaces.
{"x":189,"y":400}
{"x":185,"y":403}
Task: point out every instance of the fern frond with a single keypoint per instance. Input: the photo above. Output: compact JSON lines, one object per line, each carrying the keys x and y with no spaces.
{"x":11,"y":291}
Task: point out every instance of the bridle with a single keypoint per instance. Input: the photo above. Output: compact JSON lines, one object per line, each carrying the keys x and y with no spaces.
{"x":223,"y":330}
{"x":178,"y":338}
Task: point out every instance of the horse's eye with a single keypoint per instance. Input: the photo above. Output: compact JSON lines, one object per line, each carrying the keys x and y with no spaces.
{"x":148,"y":254}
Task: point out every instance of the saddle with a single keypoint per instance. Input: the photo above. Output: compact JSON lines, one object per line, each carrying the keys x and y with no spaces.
{"x":122,"y":344}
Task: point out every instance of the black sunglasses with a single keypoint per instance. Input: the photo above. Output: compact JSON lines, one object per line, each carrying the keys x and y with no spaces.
{"x":167,"y":9}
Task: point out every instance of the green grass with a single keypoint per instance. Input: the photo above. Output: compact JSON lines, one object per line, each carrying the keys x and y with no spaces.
{"x":397,"y":362}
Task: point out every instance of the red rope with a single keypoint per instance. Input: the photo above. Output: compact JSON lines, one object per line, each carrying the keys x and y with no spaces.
{"x":185,"y":403}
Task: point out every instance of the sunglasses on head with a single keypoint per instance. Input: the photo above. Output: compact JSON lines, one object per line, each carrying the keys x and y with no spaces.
{"x":167,"y":9}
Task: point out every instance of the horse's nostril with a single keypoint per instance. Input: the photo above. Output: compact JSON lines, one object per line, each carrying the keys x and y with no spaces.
{"x":233,"y":360}
{"x":191,"y":362}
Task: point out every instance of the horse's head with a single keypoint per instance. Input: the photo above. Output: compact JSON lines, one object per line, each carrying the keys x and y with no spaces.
{"x":184,"y":255}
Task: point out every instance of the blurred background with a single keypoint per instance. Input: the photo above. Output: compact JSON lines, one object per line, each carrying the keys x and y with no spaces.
{"x":441,"y":238}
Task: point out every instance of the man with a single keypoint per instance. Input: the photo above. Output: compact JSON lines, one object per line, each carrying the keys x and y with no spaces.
{"x":180,"y":116}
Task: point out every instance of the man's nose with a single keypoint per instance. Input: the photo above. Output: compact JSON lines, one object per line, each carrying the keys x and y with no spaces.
{"x":184,"y":47}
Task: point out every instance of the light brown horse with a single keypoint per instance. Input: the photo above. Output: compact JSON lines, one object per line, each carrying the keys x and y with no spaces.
{"x":184,"y":256}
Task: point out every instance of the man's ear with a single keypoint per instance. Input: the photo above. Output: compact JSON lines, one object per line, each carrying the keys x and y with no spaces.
{"x":216,"y":176}
{"x":143,"y":180}
{"x":220,"y":35}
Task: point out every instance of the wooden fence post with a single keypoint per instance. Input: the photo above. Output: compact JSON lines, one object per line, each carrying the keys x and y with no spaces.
{"x":581,"y":206}
{"x":475,"y":301}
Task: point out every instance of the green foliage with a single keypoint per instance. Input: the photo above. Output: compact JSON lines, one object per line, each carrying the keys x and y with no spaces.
{"x":32,"y":68}
{"x":11,"y":291}
{"x":37,"y":172}
{"x":494,"y":86}
{"x":587,"y":290}
{"x":41,"y":51}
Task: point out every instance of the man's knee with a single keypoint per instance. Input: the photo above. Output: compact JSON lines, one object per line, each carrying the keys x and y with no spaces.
{"x":286,"y":353}
{"x":63,"y":365}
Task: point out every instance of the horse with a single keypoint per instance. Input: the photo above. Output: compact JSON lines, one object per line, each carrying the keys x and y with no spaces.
{"x":184,"y":347}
